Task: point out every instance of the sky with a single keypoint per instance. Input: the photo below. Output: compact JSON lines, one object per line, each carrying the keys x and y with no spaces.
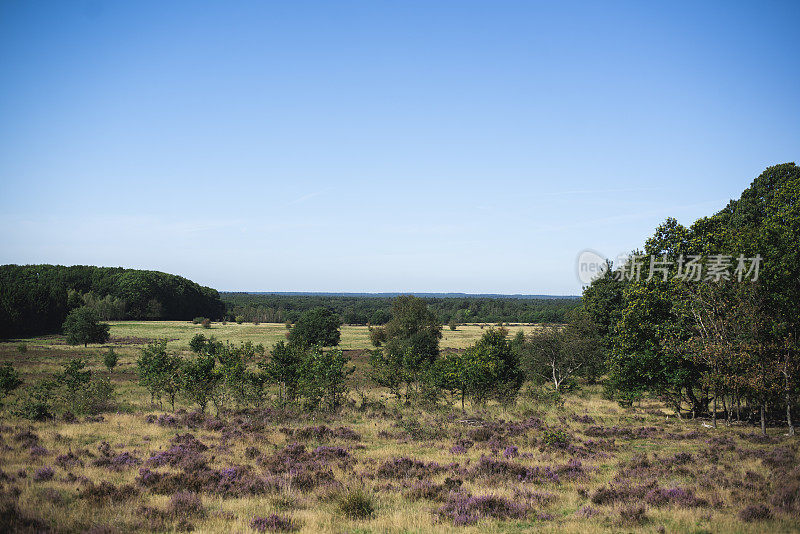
{"x":376,"y":146}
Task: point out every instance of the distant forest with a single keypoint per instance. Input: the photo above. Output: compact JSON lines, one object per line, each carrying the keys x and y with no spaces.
{"x":367,"y":309}
{"x":35,"y":299}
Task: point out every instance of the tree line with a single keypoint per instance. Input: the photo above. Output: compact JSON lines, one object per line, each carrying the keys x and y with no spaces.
{"x":708,"y":341}
{"x":376,"y":310}
{"x":35,"y":299}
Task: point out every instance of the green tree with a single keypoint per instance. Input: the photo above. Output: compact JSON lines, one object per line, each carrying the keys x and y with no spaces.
{"x":324,"y":377}
{"x":82,"y":326}
{"x":110,"y":359}
{"x":318,"y":326}
{"x":160,"y":371}
{"x":284,"y":368}
{"x":410,"y":343}
{"x":200,"y":377}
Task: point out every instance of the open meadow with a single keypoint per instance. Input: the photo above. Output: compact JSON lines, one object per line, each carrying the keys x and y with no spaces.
{"x":578,"y":464}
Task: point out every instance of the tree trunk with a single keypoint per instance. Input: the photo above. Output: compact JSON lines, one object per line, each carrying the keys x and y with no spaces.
{"x":714,"y":407}
{"x":763,"y":419}
{"x":789,"y":415}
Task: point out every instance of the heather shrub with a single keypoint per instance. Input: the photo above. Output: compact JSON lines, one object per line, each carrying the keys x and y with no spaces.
{"x":273,"y":523}
{"x":405,"y":467}
{"x":185,"y":504}
{"x":755,"y":512}
{"x":633,"y":514}
{"x":43,"y":474}
{"x":463,"y":509}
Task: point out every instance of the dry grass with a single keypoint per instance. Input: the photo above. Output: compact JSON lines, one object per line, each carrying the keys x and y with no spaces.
{"x":57,"y":503}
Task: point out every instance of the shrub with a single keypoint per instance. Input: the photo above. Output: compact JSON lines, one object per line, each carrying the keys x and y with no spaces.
{"x":755,"y":512}
{"x":633,"y":514}
{"x":464,"y":509}
{"x":356,"y":504}
{"x":239,"y":319}
{"x":110,"y":360}
{"x":273,"y":523}
{"x":22,"y":348}
{"x":198,"y":320}
{"x":206,"y":323}
{"x":43,"y":474}
{"x":185,"y":504}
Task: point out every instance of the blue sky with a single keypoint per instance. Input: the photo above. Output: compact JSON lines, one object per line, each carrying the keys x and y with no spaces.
{"x":381,"y":146}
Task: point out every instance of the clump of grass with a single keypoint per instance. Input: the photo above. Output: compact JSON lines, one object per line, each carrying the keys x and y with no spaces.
{"x":22,"y":348}
{"x":356,"y":504}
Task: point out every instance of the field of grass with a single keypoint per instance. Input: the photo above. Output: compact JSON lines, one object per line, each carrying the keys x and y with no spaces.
{"x":377,"y":466}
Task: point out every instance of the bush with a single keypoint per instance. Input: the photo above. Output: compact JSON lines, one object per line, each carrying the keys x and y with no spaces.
{"x":206,"y":323}
{"x":34,"y":404}
{"x":22,"y":348}
{"x":239,"y":319}
{"x":198,"y":320}
{"x":110,"y":360}
{"x":356,"y":504}
{"x":185,"y":504}
{"x":273,"y":523}
{"x":756,"y":512}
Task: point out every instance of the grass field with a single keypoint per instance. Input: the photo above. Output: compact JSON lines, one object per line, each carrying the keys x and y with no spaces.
{"x":585,"y":466}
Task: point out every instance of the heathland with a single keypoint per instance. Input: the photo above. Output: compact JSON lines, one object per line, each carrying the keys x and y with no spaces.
{"x":576,"y":462}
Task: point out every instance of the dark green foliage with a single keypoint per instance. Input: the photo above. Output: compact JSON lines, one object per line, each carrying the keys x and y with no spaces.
{"x":318,"y":326}
{"x":9,"y":380}
{"x":701,"y":344}
{"x":110,"y":360}
{"x":35,"y":299}
{"x":35,"y":403}
{"x":376,"y":309}
{"x":82,"y":326}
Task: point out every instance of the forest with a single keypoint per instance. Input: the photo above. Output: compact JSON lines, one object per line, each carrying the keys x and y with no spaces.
{"x":35,"y":299}
{"x":375,"y":309}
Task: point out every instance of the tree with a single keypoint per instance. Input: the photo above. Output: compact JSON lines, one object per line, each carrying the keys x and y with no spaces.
{"x":318,"y":326}
{"x":558,"y":354}
{"x":199,"y":379}
{"x":160,"y":371}
{"x":489,"y":368}
{"x":110,"y":360}
{"x":410,"y":343}
{"x":284,"y":368}
{"x":82,"y":326}
{"x":324,"y":377}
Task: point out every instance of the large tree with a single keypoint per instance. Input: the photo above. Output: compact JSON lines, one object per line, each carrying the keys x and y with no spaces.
{"x":318,"y":326}
{"x":82,"y":326}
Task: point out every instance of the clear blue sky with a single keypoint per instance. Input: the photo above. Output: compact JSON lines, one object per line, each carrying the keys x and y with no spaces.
{"x":381,"y":146}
